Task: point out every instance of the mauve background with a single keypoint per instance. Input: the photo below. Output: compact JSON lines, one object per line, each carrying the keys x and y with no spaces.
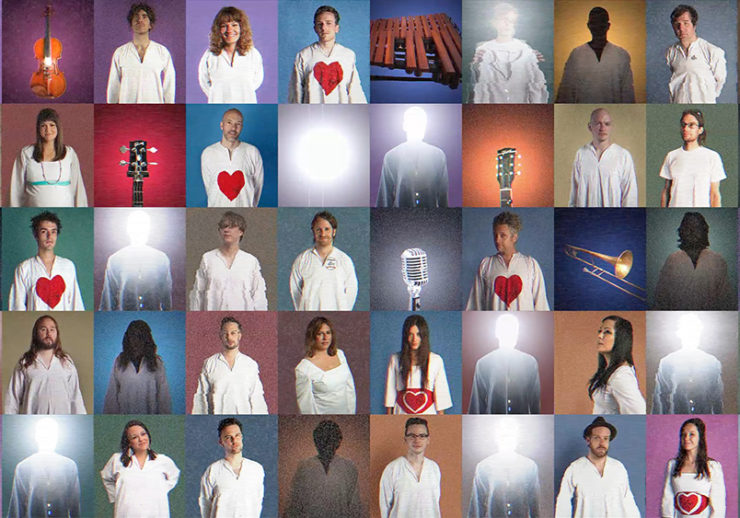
{"x":162,"y":126}
{"x":721,"y":446}
{"x":535,"y":338}
{"x":263,"y":20}
{"x":169,"y":30}
{"x":166,"y":235}
{"x":352,"y":335}
{"x":259,"y":342}
{"x":71,"y":23}
{"x":77,"y":126}
{"x":444,"y":126}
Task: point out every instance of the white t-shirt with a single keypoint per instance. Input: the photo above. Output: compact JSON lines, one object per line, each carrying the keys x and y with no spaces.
{"x":692,"y":173}
{"x":325,"y":79}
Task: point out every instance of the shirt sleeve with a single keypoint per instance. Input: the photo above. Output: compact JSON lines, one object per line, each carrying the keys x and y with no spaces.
{"x":198,"y":293}
{"x":18,"y":181}
{"x":110,"y":404}
{"x":718,"y":64}
{"x":16,"y":389}
{"x":206,"y":494}
{"x":575,"y":179}
{"x":304,"y":393}
{"x":77,"y":403}
{"x":538,"y":288}
{"x":257,"y":397}
{"x":563,"y":504}
{"x":295,"y":89}
{"x":109,"y":475}
{"x":717,"y":495}
{"x":168,"y":81}
{"x":442,"y":397}
{"x":666,"y":505}
{"x":390,"y":383}
{"x":566,"y":90}
{"x":386,"y":491}
{"x":627,"y":84}
{"x":443,"y":184}
{"x":350,"y":285}
{"x":662,"y":391}
{"x":355,"y":94}
{"x":717,"y":389}
{"x":18,"y":291}
{"x":258,"y":290}
{"x":170,"y":471}
{"x":717,"y":171}
{"x":477,"y":291}
{"x":629,"y":183}
{"x":350,"y":390}
{"x":478,"y":403}
{"x":114,"y":80}
{"x":628,"y":500}
{"x":200,"y":398}
{"x":164,"y":401}
{"x":478,"y":497}
{"x":387,"y":188}
{"x":259,"y":178}
{"x":534,"y":392}
{"x":296,"y":283}
{"x":258,"y":73}
{"x":623,"y":384}
{"x":204,"y":78}
{"x":109,"y":297}
{"x":77,"y":184}
{"x":77,"y":302}
{"x":665,"y":169}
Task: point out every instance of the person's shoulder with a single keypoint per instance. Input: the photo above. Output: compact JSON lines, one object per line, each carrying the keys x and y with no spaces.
{"x":246,"y":256}
{"x":615,"y":464}
{"x":253,"y":466}
{"x":434,"y":357}
{"x":342,"y":256}
{"x":28,"y":151}
{"x":63,"y":261}
{"x":212,"y":148}
{"x":710,"y":46}
{"x":247,"y":360}
{"x":580,"y":49}
{"x":210,"y":254}
{"x":714,"y":465}
{"x":304,"y":366}
{"x":710,"y":153}
{"x":126,"y":47}
{"x":617,"y":49}
{"x":348,"y":51}
{"x":392,"y":466}
{"x":158,"y":47}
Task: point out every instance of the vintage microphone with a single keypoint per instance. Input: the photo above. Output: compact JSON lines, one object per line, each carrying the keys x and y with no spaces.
{"x":415,"y":272}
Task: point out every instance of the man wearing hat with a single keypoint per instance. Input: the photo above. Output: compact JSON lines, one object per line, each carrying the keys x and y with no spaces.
{"x":599,"y":484}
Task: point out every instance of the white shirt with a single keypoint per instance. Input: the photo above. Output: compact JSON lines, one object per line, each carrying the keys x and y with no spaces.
{"x":706,"y":286}
{"x":224,"y":494}
{"x":607,"y":496}
{"x":224,"y":81}
{"x":38,"y":389}
{"x":692,"y":173}
{"x":434,"y":398}
{"x":34,"y":289}
{"x":688,"y":382}
{"x":685,"y":494}
{"x":220,"y":288}
{"x":140,"y":492}
{"x":402,"y":495}
{"x":328,"y":285}
{"x":47,"y":184}
{"x":133,"y":80}
{"x":137,"y":392}
{"x":608,"y":181}
{"x":137,"y":278}
{"x":506,"y":381}
{"x":325,"y":79}
{"x":621,"y":395}
{"x":325,"y":392}
{"x":517,"y":287}
{"x":507,"y":73}
{"x":45,"y":484}
{"x":505,"y":484}
{"x":226,"y":390}
{"x":697,"y":75}
{"x":587,"y":79}
{"x":414,"y":175}
{"x":232,"y":179}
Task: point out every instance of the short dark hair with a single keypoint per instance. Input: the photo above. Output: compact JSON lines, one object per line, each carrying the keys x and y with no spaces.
{"x":411,"y":421}
{"x":228,"y":422}
{"x":45,"y":216}
{"x":509,"y":219}
{"x":328,"y":216}
{"x":135,"y":8}
{"x":232,"y":219}
{"x":683,"y":8}
{"x":228,"y":319}
{"x":326,"y":9}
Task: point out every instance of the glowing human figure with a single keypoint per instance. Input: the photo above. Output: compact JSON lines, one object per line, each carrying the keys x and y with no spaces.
{"x":689,"y":381}
{"x":137,"y":277}
{"x":45,"y":483}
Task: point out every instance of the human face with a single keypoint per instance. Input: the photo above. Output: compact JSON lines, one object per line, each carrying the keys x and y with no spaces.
{"x":230,"y":234}
{"x":598,"y":441}
{"x":417,"y":438}
{"x":138,"y":439}
{"x":46,"y":236}
{"x":47,"y":334}
{"x":605,"y":342}
{"x":505,"y":239}
{"x":231,"y":126}
{"x":506,"y":25}
{"x":323,"y":233}
{"x":230,"y":32}
{"x":231,"y":439}
{"x":140,"y":23}
{"x":600,"y":126}
{"x":414,"y":338}
{"x":598,"y":25}
{"x":48,"y":131}
{"x":690,"y":437}
{"x":690,"y":129}
{"x":326,"y":27}
{"x":684,"y":29}
{"x":322,"y":340}
{"x":230,"y":336}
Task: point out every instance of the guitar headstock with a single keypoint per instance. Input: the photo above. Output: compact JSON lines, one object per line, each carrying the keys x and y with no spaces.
{"x":508,"y":166}
{"x":138,"y":166}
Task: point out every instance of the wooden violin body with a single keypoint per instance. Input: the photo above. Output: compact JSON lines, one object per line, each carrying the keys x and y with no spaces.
{"x":48,"y":81}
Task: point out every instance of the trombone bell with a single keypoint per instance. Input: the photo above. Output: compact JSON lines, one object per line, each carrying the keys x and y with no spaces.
{"x":622,"y":265}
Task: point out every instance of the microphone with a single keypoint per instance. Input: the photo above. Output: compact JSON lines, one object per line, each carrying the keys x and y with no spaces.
{"x":415,"y":273}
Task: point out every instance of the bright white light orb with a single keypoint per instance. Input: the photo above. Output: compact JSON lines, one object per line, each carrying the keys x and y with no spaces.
{"x":415,"y":123}
{"x":138,"y":227}
{"x":323,"y":154}
{"x":47,"y":434}
{"x":507,"y":331}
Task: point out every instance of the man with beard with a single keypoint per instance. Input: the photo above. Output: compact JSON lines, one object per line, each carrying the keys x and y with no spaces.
{"x":232,"y":170}
{"x":232,"y":486}
{"x":596,"y":484}
{"x":229,"y":382}
{"x":45,"y":379}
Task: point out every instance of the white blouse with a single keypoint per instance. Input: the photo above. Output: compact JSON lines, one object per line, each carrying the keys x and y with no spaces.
{"x":325,"y":392}
{"x":621,"y":394}
{"x":47,"y":184}
{"x":227,"y":81}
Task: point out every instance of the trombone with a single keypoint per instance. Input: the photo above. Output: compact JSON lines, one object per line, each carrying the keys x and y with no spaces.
{"x":622,"y":266}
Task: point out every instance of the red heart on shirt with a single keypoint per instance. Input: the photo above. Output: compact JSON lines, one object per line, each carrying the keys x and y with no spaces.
{"x":508,"y":289}
{"x":50,"y":290}
{"x":231,"y":184}
{"x":328,"y":76}
{"x":690,"y":503}
{"x":416,"y":400}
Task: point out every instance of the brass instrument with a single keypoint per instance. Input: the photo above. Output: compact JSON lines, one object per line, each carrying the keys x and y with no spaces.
{"x":622,"y":266}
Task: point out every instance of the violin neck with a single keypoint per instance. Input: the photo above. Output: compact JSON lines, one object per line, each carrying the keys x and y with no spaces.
{"x":47,"y":37}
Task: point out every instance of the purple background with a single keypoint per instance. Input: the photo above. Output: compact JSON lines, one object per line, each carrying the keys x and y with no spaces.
{"x":444,"y":127}
{"x":113,"y":31}
{"x":263,"y":20}
{"x":23,"y":24}
{"x":663,"y":446}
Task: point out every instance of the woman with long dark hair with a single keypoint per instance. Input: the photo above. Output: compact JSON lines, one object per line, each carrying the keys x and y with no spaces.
{"x":138,"y":383}
{"x":613,"y":388}
{"x":138,"y":479}
{"x":416,"y":382}
{"x":694,"y":483}
{"x":47,"y":174}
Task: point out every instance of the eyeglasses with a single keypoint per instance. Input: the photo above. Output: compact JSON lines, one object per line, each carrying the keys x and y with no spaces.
{"x":691,"y":125}
{"x":417,"y":435}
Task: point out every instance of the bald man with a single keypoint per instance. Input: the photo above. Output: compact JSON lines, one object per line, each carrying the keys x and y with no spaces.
{"x":603,"y":172}
{"x":232,"y":170}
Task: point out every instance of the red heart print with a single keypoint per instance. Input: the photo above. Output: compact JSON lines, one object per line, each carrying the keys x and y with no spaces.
{"x":328,"y":75}
{"x":50,"y":290}
{"x":416,"y":401}
{"x":508,"y":289}
{"x":691,"y":503}
{"x":231,"y":184}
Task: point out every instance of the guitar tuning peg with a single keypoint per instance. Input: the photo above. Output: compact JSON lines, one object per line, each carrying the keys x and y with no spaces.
{"x":123,"y":149}
{"x":122,"y":162}
{"x":153,"y":149}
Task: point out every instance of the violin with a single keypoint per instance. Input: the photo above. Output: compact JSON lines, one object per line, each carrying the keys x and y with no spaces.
{"x":48,"y":81}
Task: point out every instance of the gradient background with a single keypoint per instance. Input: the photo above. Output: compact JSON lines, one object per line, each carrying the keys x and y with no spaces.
{"x":263,"y":22}
{"x":74,"y":243}
{"x":203,"y":129}
{"x":535,"y":338}
{"x":168,"y":31}
{"x":352,"y":335}
{"x":353,"y":238}
{"x":535,"y":240}
{"x":296,"y":30}
{"x":716,"y":24}
{"x":444,"y":126}
{"x":662,"y":235}
{"x":488,"y":128}
{"x":168,"y":331}
{"x":444,"y":339}
{"x":571,"y":133}
{"x":627,"y":31}
{"x":576,"y":359}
